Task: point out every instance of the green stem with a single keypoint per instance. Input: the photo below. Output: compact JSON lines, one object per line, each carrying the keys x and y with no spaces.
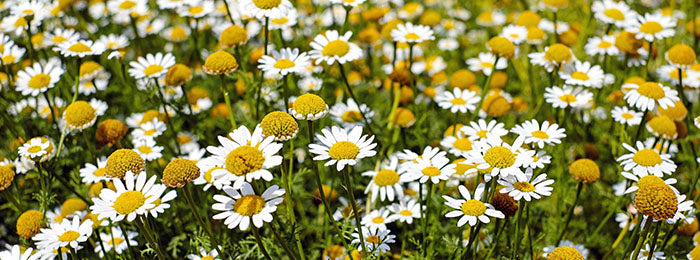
{"x":222,"y":88}
{"x":653,"y":241}
{"x":353,"y":203}
{"x":207,"y":228}
{"x":642,"y":236}
{"x":516,"y":241}
{"x":260,"y":243}
{"x":167,"y":115}
{"x":579,"y":187}
{"x":352,"y":95}
{"x":485,"y":89}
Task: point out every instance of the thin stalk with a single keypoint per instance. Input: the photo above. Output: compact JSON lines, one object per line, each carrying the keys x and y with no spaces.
{"x":260,"y":243}
{"x":353,"y":203}
{"x":77,"y":80}
{"x":126,"y":239}
{"x":150,"y":238}
{"x":290,"y":208}
{"x":51,"y":107}
{"x":579,"y":187}
{"x":641,"y":125}
{"x":642,"y":237}
{"x":352,"y":95}
{"x":283,"y":243}
{"x":516,"y":241}
{"x":207,"y":228}
{"x":314,"y":166}
{"x":222,"y":88}
{"x":485,"y":89}
{"x":653,"y":241}
{"x":425,"y":221}
{"x":167,"y":115}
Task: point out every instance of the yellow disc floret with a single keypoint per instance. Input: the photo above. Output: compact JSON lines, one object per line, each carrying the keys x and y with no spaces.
{"x":123,"y":160}
{"x":179,"y":172}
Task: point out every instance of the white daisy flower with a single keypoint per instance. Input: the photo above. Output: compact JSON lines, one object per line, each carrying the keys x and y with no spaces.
{"x":204,"y":255}
{"x":643,"y":160}
{"x":647,"y":96}
{"x":412,"y":34}
{"x":133,"y":197}
{"x":485,"y":62}
{"x":80,"y":48}
{"x":652,"y":26}
{"x":471,"y":210}
{"x":268,"y":9}
{"x":149,"y":130}
{"x":376,"y":219}
{"x":285,"y":61}
{"x":39,"y":78}
{"x":567,"y":97}
{"x":342,"y":146}
{"x":539,"y":159}
{"x":669,"y":73}
{"x":309,"y":84}
{"x":160,"y":204}
{"x":148,"y":149}
{"x":514,"y":33}
{"x":350,"y":114}
{"x":60,"y":35}
{"x":243,"y":206}
{"x":206,"y":177}
{"x":14,"y":252}
{"x":644,"y":254}
{"x":604,"y":45}
{"x":534,"y":134}
{"x":626,"y":116}
{"x":580,"y":248}
{"x":333,"y":47}
{"x":480,"y":129}
{"x":498,"y":157}
{"x":406,"y":210}
{"x":583,"y":74}
{"x":612,"y":12}
{"x":635,"y":178}
{"x":196,"y":9}
{"x":66,"y":233}
{"x":456,"y":145}
{"x":119,"y":243}
{"x":622,"y":219}
{"x":524,"y":187}
{"x":94,"y":173}
{"x":435,"y":169}
{"x":458,"y":100}
{"x":377,"y":241}
{"x":153,"y":66}
{"x":557,"y":58}
{"x":12,"y":54}
{"x":38,"y":149}
{"x":115,"y":41}
{"x":387,"y":183}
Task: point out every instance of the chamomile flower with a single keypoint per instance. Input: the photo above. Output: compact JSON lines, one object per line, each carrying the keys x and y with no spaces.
{"x":350,"y":114}
{"x":646,"y":254}
{"x":114,"y":41}
{"x":626,"y":116}
{"x":479,"y":130}
{"x":470,"y":209}
{"x":539,"y":160}
{"x":652,"y":26}
{"x":377,"y":241}
{"x":204,"y":255}
{"x":242,"y":206}
{"x":133,"y":197}
{"x":149,"y":130}
{"x":643,"y":160}
{"x":622,"y":219}
{"x":583,"y":74}
{"x":285,"y":61}
{"x":15,"y":253}
{"x":524,"y":187}
{"x":59,"y":35}
{"x":92,"y":173}
{"x":574,"y":97}
{"x":80,"y":48}
{"x":549,"y":134}
{"x":649,"y":95}
{"x":485,"y":62}
{"x":645,"y":178}
{"x":604,"y":45}
{"x":412,"y":34}
{"x":376,"y":219}
{"x":569,"y":246}
{"x":387,"y":182}
{"x":117,"y":241}
{"x":457,"y":144}
{"x":498,"y":157}
{"x":612,"y":12}
{"x":435,"y":169}
{"x":38,"y":149}
{"x":39,"y":78}
{"x":515,"y":33}
{"x":333,"y":47}
{"x":309,"y":84}
{"x":554,"y":56}
{"x":12,"y":54}
{"x":66,"y":233}
{"x":147,"y":149}
{"x":196,"y":9}
{"x":153,"y":66}
{"x":458,"y":100}
{"x":406,"y":210}
{"x":271,"y":9}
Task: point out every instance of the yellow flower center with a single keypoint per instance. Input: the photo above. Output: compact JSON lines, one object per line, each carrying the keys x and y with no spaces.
{"x":284,"y":64}
{"x":651,"y":90}
{"x":568,"y":98}
{"x":129,"y":202}
{"x":406,"y":212}
{"x":280,"y":21}
{"x":473,"y":208}
{"x":115,"y":241}
{"x":580,"y":75}
{"x":207,"y":258}
{"x":656,"y":201}
{"x":524,"y":186}
{"x":152,"y":69}
{"x":386,"y":177}
{"x":604,"y":45}
{"x":430,"y":92}
{"x":8,"y":59}
{"x":540,"y":134}
{"x":145,"y":149}
{"x":463,"y":144}
{"x":627,"y":115}
{"x":412,"y":36}
{"x":651,"y":27}
{"x":647,"y":157}
{"x":431,"y":171}
{"x":309,"y":104}
{"x":499,"y":157}
{"x":614,"y":14}
{"x":482,"y":133}
{"x":20,"y":22}
{"x":39,"y":81}
{"x":149,"y":132}
{"x":344,"y":150}
{"x":178,"y":33}
{"x":336,"y":48}
{"x":664,"y":126}
{"x":79,"y":47}
{"x":196,"y":9}
{"x":351,"y":116}
{"x":378,"y":220}
{"x":99,"y":172}
{"x":458,"y":101}
{"x":564,"y":253}
{"x":244,"y":160}
{"x":249,"y":205}
{"x":487,"y":64}
{"x":69,"y":236}
{"x":127,"y":5}
{"x":558,"y":53}
{"x":373,"y":239}
{"x":123,"y":160}
{"x":58,"y":39}
{"x":267,"y":4}
{"x":79,"y":114}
